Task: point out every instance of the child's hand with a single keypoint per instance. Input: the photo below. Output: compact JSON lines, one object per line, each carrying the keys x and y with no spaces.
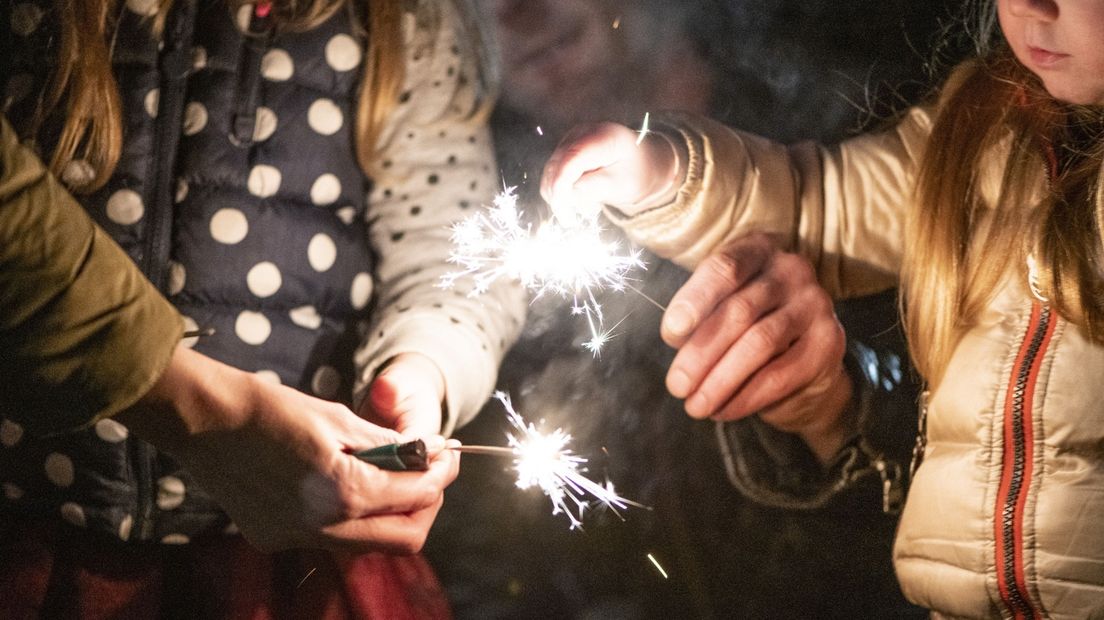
{"x":407,"y":396}
{"x":609,"y":164}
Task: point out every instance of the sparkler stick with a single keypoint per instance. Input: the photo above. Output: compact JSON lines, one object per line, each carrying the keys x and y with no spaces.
{"x":543,"y":460}
{"x":486,"y":450}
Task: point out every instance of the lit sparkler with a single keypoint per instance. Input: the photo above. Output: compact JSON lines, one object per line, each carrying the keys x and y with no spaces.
{"x":545,"y":460}
{"x":565,"y":260}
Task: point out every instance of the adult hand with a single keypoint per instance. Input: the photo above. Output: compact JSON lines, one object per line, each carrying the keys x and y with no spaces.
{"x":609,"y":164}
{"x":276,"y":460}
{"x":407,"y":396}
{"x":755,"y":333}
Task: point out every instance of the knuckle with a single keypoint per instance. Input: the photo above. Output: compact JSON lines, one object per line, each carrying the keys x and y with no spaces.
{"x":773,"y":385}
{"x":723,"y":267}
{"x":739,"y":311}
{"x":764,"y":336}
{"x":800,"y":268}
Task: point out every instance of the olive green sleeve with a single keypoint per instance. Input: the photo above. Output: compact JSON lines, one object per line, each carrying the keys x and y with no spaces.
{"x":83,"y":334}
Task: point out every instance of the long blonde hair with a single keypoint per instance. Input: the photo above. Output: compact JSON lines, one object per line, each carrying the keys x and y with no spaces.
{"x":993,"y":105}
{"x":84,"y":91}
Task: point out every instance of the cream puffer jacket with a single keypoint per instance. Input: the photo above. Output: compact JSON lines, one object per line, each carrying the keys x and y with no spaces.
{"x":1005,"y":516}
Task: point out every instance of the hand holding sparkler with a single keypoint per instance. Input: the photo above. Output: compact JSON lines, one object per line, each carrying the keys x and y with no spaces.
{"x":543,"y":460}
{"x":272,"y":458}
{"x":610,"y":164}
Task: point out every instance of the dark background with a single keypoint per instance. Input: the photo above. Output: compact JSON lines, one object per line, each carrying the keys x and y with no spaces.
{"x":786,"y":69}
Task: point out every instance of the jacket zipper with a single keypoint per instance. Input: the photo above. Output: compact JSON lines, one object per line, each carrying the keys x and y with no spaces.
{"x":174,"y":65}
{"x":1017,"y":462}
{"x":256,"y":43}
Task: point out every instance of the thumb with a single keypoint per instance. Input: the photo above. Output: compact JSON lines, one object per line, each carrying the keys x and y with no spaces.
{"x":406,"y":396}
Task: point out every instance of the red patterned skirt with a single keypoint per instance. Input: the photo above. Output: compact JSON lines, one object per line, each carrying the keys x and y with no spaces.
{"x":54,"y":571}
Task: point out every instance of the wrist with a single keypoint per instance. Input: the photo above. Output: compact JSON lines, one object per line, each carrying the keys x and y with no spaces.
{"x":194,"y":396}
{"x":828,"y":434}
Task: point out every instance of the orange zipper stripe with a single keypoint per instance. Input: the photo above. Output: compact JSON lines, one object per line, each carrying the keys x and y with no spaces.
{"x":1017,"y":468}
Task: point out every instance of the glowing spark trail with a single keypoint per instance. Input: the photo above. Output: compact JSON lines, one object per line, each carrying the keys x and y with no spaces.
{"x":655,"y":563}
{"x":565,"y":260}
{"x":644,"y":129}
{"x":544,"y":460}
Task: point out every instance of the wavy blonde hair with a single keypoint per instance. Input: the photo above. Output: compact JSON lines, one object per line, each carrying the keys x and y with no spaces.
{"x":83,"y":89}
{"x":952,"y":267}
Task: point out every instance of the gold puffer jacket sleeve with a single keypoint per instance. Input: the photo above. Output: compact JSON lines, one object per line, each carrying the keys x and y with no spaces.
{"x":841,"y":206}
{"x":83,"y":334}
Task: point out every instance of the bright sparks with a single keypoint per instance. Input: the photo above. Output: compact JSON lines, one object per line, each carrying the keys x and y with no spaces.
{"x":659,"y":568}
{"x":544,"y":460}
{"x":570,"y":261}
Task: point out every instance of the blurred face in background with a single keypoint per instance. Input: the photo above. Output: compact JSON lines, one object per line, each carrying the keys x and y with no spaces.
{"x":570,"y":61}
{"x":557,"y":55}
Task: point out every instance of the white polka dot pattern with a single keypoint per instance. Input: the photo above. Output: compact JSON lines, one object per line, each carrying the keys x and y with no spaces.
{"x":195,"y":118}
{"x":152,"y":102}
{"x":322,"y":252}
{"x":10,"y":433}
{"x":229,"y":226}
{"x":265,"y":125}
{"x":170,"y":492}
{"x":269,"y":376}
{"x":325,"y":190}
{"x":181,"y":190}
{"x":145,"y":8}
{"x":59,"y":469}
{"x":361,"y":291}
{"x":264,"y":181}
{"x":111,"y":431}
{"x":276,"y":65}
{"x":177,"y":277}
{"x":73,"y":514}
{"x":325,"y":117}
{"x":125,"y":526}
{"x":264,"y":279}
{"x":78,"y":172}
{"x":306,"y":316}
{"x":326,"y":382}
{"x":252,"y":327}
{"x":346,"y":214}
{"x":175,"y":539}
{"x":125,"y":207}
{"x":25,"y":18}
{"x":343,"y":53}
{"x":243,"y":17}
{"x":199,"y":58}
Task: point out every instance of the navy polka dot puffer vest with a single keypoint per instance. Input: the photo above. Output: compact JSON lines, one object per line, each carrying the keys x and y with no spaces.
{"x":239,"y":194}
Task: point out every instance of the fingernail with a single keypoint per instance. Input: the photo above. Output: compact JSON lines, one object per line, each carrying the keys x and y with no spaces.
{"x":678,"y":321}
{"x":698,"y":406}
{"x":678,"y":383}
{"x":453,"y":443}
